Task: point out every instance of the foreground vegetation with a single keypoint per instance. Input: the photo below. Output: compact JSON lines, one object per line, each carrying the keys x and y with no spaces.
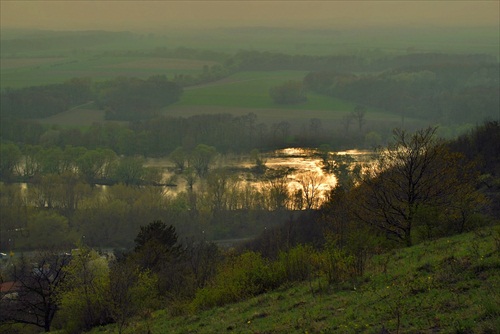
{"x":448,"y":285}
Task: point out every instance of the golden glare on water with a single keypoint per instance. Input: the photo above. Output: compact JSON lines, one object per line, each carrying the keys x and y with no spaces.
{"x":303,"y":172}
{"x":303,"y":163}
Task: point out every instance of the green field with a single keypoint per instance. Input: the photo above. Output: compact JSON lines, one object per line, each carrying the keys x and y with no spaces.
{"x":127,"y":55}
{"x":240,"y":94}
{"x":450,"y":285}
{"x":25,"y":72}
{"x":246,"y":92}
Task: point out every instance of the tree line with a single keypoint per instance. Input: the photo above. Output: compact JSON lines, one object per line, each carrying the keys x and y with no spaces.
{"x":46,"y":100}
{"x":271,"y":61}
{"x":449,"y":93}
{"x":161,"y":135}
{"x":61,"y":194}
{"x":121,"y":98}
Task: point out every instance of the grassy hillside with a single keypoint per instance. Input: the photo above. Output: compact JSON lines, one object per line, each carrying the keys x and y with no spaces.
{"x":450,"y":285}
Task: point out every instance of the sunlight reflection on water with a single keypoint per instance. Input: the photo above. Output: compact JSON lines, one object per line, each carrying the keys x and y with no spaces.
{"x":300,"y":162}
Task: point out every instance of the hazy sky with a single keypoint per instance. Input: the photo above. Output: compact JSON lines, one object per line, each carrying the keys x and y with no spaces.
{"x":149,"y":15}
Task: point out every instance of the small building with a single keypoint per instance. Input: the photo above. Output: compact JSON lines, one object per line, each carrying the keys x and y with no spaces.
{"x":8,"y":290}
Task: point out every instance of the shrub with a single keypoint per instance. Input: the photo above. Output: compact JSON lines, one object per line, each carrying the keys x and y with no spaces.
{"x":337,"y":264}
{"x":240,"y":277}
{"x":297,"y":264}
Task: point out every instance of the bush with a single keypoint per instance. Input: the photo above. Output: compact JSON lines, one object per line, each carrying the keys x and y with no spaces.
{"x":240,"y":277}
{"x":297,"y":264}
{"x":337,"y":264}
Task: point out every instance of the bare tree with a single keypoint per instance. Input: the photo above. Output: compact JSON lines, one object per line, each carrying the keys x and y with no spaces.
{"x":249,"y":121}
{"x":201,"y":158}
{"x":347,"y":121}
{"x":219,"y":186}
{"x":359,"y":115}
{"x":282,"y":128}
{"x":123,"y":278}
{"x":203,"y":259}
{"x":310,"y":183}
{"x":414,"y":173}
{"x":277,"y":189}
{"x":37,"y":281}
{"x":189,"y":175}
{"x":132,"y":292}
{"x":179,"y":157}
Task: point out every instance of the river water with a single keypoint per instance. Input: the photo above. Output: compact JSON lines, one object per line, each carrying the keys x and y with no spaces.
{"x":300,"y":162}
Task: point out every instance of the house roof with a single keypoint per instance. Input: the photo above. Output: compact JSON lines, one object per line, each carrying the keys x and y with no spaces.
{"x":7,"y":287}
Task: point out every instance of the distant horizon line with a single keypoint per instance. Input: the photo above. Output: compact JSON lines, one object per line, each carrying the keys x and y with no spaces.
{"x":255,"y":26}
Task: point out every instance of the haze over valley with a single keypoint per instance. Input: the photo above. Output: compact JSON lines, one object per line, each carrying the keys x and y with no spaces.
{"x":249,"y":166}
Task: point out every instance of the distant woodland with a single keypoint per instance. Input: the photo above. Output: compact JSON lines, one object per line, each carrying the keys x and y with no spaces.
{"x":435,"y":88}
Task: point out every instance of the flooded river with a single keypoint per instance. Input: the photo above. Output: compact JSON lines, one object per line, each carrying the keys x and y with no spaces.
{"x":300,"y":162}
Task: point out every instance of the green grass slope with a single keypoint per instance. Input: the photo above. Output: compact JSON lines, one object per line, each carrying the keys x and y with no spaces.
{"x":451,"y":285}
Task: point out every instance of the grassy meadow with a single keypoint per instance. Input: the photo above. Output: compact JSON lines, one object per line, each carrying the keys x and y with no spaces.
{"x":450,"y":285}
